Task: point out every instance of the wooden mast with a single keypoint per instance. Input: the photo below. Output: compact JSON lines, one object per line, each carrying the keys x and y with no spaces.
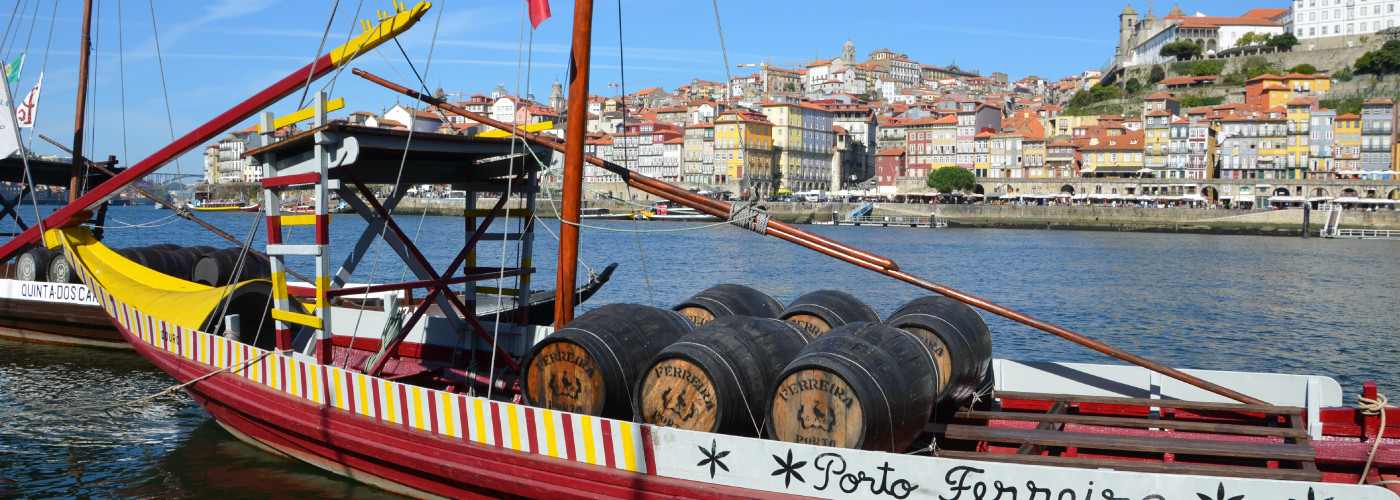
{"x":75,"y":174}
{"x":573,"y":161}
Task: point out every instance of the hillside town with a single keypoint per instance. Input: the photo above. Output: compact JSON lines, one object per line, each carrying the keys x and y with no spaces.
{"x":882,"y":123}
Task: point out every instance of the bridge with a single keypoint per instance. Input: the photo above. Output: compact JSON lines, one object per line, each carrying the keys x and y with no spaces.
{"x":167,"y":179}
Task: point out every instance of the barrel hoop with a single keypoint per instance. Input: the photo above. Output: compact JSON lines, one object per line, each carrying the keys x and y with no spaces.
{"x":889,"y":414}
{"x":824,"y":308}
{"x":939,"y":318}
{"x":737,"y":383}
{"x":931,"y":359}
{"x":626,"y":384}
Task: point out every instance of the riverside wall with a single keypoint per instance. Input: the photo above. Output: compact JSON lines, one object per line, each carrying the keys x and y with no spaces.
{"x":1075,"y":217}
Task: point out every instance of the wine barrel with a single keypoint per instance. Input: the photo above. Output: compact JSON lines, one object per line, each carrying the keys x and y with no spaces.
{"x":173,"y":263}
{"x":716,"y":378}
{"x":824,"y":310}
{"x":190,"y":256}
{"x":216,"y":268}
{"x":60,"y":271}
{"x":729,"y":300}
{"x":168,"y":247}
{"x":33,"y":265}
{"x":591,"y":364}
{"x":958,"y":338}
{"x":864,"y":385}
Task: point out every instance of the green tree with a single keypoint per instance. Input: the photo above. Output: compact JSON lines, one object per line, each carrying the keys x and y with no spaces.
{"x":1181,"y":50}
{"x":1158,"y":74}
{"x":1132,"y":86}
{"x":1384,"y":61}
{"x":950,"y":179}
{"x":1256,"y":66}
{"x":1282,"y":41}
{"x":1246,"y":39}
{"x":1303,"y":69}
{"x":1103,"y":92}
{"x":1344,"y":75}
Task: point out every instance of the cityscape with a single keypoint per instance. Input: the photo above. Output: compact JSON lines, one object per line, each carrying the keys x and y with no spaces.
{"x":1271,"y":93}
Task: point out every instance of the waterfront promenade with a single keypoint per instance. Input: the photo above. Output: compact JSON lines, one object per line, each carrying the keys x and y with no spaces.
{"x":1065,"y":217}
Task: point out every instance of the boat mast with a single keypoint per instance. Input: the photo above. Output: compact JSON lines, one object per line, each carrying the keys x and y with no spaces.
{"x":76,"y":172}
{"x":573,"y":162}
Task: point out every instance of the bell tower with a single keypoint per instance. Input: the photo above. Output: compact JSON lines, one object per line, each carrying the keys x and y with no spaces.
{"x":1126,"y":27}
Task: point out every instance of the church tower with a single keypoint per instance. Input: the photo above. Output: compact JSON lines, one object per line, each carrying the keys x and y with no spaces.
{"x":848,"y":53}
{"x":1126,"y":24}
{"x":556,"y":97}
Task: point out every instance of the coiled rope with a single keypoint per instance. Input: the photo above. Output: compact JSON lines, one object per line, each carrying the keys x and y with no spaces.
{"x":1372,"y":407}
{"x":164,"y":392}
{"x":749,"y":217}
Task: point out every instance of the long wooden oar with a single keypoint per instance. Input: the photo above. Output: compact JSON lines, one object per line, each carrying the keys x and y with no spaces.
{"x":823,"y":245}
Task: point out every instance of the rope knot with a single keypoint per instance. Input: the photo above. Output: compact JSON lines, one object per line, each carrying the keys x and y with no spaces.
{"x":749,"y":217}
{"x":1373,"y":407}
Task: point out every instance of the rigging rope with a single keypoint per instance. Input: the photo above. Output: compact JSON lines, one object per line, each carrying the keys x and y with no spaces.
{"x":165,"y":92}
{"x":301,"y":103}
{"x":622,"y":72}
{"x":1370,"y":408}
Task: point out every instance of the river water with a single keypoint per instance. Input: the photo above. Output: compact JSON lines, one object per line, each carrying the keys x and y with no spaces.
{"x":1290,"y":305}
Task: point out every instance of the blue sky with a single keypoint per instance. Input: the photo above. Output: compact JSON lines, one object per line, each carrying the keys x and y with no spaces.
{"x":217,"y":53}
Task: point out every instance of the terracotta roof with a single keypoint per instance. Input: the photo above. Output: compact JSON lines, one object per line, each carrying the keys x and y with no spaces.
{"x":839,"y":129}
{"x":1160,"y":112}
{"x":1216,"y":22}
{"x":984,"y":134}
{"x":1161,"y":95}
{"x":1302,"y":101}
{"x":1179,"y":121}
{"x":1262,"y":13}
{"x":1378,"y":101}
{"x":1188,"y":80}
{"x":890,"y":152}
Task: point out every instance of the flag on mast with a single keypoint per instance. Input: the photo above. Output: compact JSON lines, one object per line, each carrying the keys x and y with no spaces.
{"x":24,"y":113}
{"x":12,"y":69}
{"x":539,"y":11}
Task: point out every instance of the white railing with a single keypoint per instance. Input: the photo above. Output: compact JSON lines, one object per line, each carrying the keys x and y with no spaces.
{"x":1368,"y":234}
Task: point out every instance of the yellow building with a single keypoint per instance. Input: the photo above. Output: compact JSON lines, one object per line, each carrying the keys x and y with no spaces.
{"x":802,"y":141}
{"x":1033,"y":157}
{"x":1113,"y":156}
{"x":1156,"y":139}
{"x":1299,"y":129}
{"x":1347,"y":139}
{"x":744,"y":146}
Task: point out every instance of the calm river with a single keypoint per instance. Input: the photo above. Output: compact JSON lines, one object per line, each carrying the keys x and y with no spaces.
{"x":1192,"y":301}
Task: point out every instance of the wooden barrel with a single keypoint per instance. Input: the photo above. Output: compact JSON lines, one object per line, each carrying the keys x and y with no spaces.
{"x":154,"y":260}
{"x":716,"y":378}
{"x":591,"y":364}
{"x":169,"y":247}
{"x":60,"y":271}
{"x":33,"y":265}
{"x":824,"y":310}
{"x":958,"y":338}
{"x":173,"y":263}
{"x":864,"y":385}
{"x":729,"y":300}
{"x":190,"y":256}
{"x":216,"y":268}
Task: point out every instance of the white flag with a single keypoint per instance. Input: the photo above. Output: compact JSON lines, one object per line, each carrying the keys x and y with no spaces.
{"x":24,"y":113}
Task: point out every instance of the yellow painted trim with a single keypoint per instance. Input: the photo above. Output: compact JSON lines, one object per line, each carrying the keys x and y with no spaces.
{"x":480,"y":421}
{"x":629,"y":454}
{"x":416,"y":401}
{"x":386,"y":29}
{"x":364,"y":393}
{"x":305,"y":114}
{"x":298,"y":318}
{"x":392,"y":408}
{"x":340,"y":399}
{"x":447,"y":420}
{"x":299,"y":220}
{"x":514,"y":428}
{"x":532,"y":128}
{"x":550,"y":443}
{"x":323,"y":283}
{"x":279,"y":286}
{"x":586,"y":425}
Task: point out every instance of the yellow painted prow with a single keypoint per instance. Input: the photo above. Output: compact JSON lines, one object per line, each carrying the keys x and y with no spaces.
{"x":388,"y":27}
{"x":180,"y":302}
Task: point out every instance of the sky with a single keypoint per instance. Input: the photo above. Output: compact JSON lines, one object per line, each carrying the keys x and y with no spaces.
{"x":152,"y":81}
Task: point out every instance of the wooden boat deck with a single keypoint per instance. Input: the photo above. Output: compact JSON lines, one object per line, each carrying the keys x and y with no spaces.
{"x":1133,"y":434}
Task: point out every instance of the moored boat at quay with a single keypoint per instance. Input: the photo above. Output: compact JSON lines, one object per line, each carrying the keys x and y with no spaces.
{"x":910,"y":406}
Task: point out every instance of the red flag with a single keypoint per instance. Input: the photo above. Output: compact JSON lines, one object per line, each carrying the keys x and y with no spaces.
{"x":539,"y":11}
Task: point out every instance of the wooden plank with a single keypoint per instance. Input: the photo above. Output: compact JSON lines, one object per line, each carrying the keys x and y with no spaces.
{"x":1059,"y":408}
{"x":1160,"y":403}
{"x":1296,"y":423}
{"x":1240,"y":449}
{"x":1139,"y":423}
{"x":1139,"y":466}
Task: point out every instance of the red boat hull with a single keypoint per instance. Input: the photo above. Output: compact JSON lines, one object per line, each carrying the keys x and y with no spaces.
{"x":403,"y":459}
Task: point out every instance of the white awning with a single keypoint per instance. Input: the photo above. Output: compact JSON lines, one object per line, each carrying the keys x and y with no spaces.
{"x":1286,"y":199}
